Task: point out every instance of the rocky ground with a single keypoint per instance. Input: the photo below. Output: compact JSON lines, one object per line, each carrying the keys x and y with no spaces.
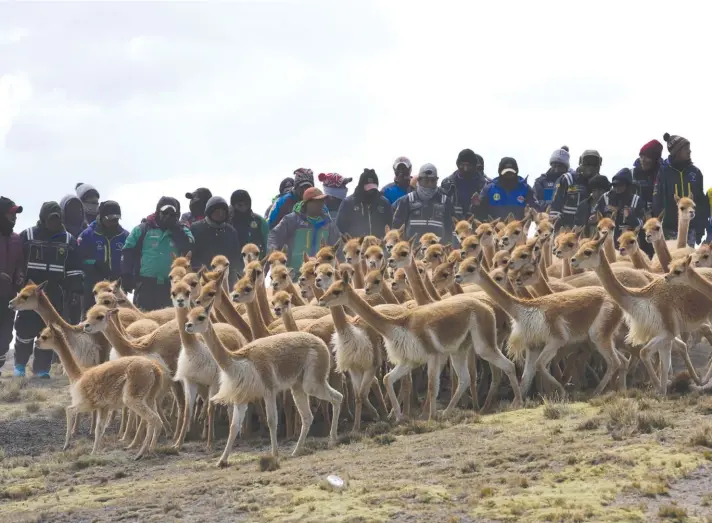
{"x":620,"y":457}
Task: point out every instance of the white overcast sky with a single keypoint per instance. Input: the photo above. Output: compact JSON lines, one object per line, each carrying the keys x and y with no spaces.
{"x":145,"y":100}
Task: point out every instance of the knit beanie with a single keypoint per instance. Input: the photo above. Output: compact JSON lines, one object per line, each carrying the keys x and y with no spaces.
{"x":335,"y":184}
{"x":561,"y":156}
{"x":675,"y":143}
{"x":303,"y":176}
{"x":467,"y":155}
{"x":368,"y":180}
{"x":110,"y":209}
{"x":84,"y":189}
{"x":653,"y":149}
{"x":623,"y":176}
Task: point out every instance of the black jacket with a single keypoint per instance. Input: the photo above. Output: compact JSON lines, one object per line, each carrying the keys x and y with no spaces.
{"x":52,"y":257}
{"x":626,"y":209}
{"x":463,"y":191}
{"x":571,"y":191}
{"x":420,"y":217}
{"x":681,"y":181}
{"x":644,"y":183}
{"x":213,"y":238}
{"x":358,"y":218}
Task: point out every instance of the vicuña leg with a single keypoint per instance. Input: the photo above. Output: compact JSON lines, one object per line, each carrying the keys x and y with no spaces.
{"x":238,"y":416}
{"x":459,"y":364}
{"x":532,"y":355}
{"x":301,"y":401}
{"x":400,"y":370}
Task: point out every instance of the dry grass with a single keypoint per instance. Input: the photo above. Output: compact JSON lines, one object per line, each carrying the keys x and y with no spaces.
{"x":549,"y":462}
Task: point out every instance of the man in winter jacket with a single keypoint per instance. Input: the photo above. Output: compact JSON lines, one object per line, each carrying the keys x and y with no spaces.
{"x":90,"y":200}
{"x":586,"y":213}
{"x":285,"y":186}
{"x":12,"y":271}
{"x":572,"y":189}
{"x":148,"y":253}
{"x":214,"y":235}
{"x":250,"y":226}
{"x":645,"y":173}
{"x":680,"y":177}
{"x":426,"y":209}
{"x":73,"y":215}
{"x":100,"y":247}
{"x":53,"y":261}
{"x":303,"y":180}
{"x":507,"y":194}
{"x":335,"y":190}
{"x":303,"y":230}
{"x":545,"y":185}
{"x":622,"y":204}
{"x":465,"y":185}
{"x":400,"y":186}
{"x":198,"y":200}
{"x":366,"y":211}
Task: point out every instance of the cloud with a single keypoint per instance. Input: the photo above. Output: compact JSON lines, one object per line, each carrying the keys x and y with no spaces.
{"x":150,"y":99}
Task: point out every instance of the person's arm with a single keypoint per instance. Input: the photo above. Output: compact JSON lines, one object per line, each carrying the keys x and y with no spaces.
{"x":18,"y":277}
{"x":447,"y":225}
{"x":531,"y":200}
{"x":274,"y":212}
{"x":480,"y":208}
{"x":264,"y":228}
{"x":278,"y":236}
{"x":584,"y":212}
{"x":131,"y":259}
{"x":659,"y":194}
{"x":183,"y":238}
{"x":342,"y":218}
{"x":557,"y":204}
{"x":73,"y":273}
{"x":638,"y":213}
{"x":539,"y":194}
{"x":702,"y":206}
{"x":400,"y":216}
{"x":388,"y":213}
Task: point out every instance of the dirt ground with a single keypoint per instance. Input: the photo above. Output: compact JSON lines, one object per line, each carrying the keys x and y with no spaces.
{"x":620,"y":457}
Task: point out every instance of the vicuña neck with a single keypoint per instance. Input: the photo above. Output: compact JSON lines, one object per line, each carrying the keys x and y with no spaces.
{"x":609,"y":248}
{"x":456,"y":288}
{"x":420,"y":294}
{"x":121,"y":344}
{"x":619,"y":292}
{"x":510,"y":304}
{"x":700,"y":283}
{"x":359,"y":271}
{"x":217,"y":349}
{"x":232,"y":316}
{"x":259,"y":329}
{"x":189,"y":341}
{"x":386,"y":293}
{"x":640,"y":260}
{"x":683,"y":228}
{"x":541,"y":287}
{"x":50,"y":315}
{"x":566,"y":267}
{"x":661,"y":249}
{"x":546,"y":251}
{"x":488,"y":255}
{"x":296,"y":295}
{"x":289,"y":324}
{"x":71,"y":367}
{"x":430,"y":288}
{"x":384,"y":326}
{"x":265,"y":310}
{"x":341,"y":321}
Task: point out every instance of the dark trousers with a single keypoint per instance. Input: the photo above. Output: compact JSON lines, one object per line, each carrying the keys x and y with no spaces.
{"x":28,"y":325}
{"x":151,"y":295}
{"x":646,"y":247}
{"x":7,"y":321}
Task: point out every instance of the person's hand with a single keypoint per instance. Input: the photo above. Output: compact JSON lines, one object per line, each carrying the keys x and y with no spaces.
{"x":5,"y":277}
{"x":128,"y":284}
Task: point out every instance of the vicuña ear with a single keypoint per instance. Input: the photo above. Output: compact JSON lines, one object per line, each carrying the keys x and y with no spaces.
{"x":189,"y":255}
{"x":337,"y":245}
{"x":346,"y":277}
{"x":688,"y":259}
{"x":112,"y":312}
{"x":208,"y":309}
{"x":41,"y":286}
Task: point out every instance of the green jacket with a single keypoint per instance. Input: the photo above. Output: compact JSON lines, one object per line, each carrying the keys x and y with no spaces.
{"x":302,"y":236}
{"x":148,"y":250}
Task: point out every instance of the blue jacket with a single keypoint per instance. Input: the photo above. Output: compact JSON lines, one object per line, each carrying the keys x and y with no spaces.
{"x":463,"y":191}
{"x":497,"y":202}
{"x":281,"y":208}
{"x":101,"y":254}
{"x":393,"y":192}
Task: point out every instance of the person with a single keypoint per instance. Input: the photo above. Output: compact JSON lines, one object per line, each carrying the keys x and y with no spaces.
{"x":285,"y":186}
{"x":148,"y":253}
{"x":545,"y":185}
{"x":572,"y":189}
{"x":585,"y":214}
{"x":215,"y":235}
{"x":507,"y":194}
{"x":303,"y":230}
{"x":198,"y":200}
{"x":303,"y":180}
{"x":90,"y":200}
{"x":366,"y":211}
{"x":250,"y":226}
{"x":645,"y":172}
{"x":73,"y":215}
{"x":100,"y":247}
{"x":335,"y":190}
{"x":12,"y":271}
{"x":427,"y":209}
{"x":465,"y":184}
{"x":708,"y":237}
{"x":400,"y":186}
{"x":679,"y":177}
{"x":622,"y":204}
{"x":52,"y":260}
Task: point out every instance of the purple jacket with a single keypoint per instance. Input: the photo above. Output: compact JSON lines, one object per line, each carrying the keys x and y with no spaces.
{"x":12,"y":264}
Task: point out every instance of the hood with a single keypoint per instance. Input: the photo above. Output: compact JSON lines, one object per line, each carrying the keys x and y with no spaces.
{"x":167,"y":200}
{"x":48,"y":209}
{"x":241,"y":195}
{"x":216,"y":202}
{"x":285,"y":186}
{"x":198,"y":198}
{"x":624,"y":176}
{"x":84,"y":189}
{"x":65,"y":202}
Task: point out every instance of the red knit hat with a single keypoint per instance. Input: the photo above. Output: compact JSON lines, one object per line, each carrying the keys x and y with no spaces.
{"x":333,"y":180}
{"x":653,"y":149}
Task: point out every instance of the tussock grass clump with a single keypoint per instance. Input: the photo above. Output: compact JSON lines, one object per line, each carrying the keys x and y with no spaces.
{"x":384,"y":439}
{"x":32,"y":407}
{"x":650,"y":421}
{"x":470,"y":467}
{"x":10,"y":390}
{"x":589,"y":424}
{"x":268,"y":463}
{"x":555,"y":410}
{"x":377,"y":428}
{"x":672,"y":512}
{"x":85,"y":462}
{"x":702,"y":438}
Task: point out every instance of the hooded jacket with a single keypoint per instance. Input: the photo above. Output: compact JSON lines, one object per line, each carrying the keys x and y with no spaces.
{"x":71,"y":223}
{"x":148,"y":249}
{"x":52,"y":257}
{"x":420,"y":217}
{"x":100,"y":252}
{"x":212,"y":238}
{"x":545,"y":187}
{"x":250,"y":227}
{"x":463,"y":191}
{"x":497,"y":202}
{"x":285,"y":186}
{"x":12,"y":262}
{"x":302,"y":235}
{"x":644,"y":182}
{"x":626,"y":209}
{"x":570,"y":192}
{"x":361,"y":216}
{"x":198,"y":200}
{"x":681,"y":181}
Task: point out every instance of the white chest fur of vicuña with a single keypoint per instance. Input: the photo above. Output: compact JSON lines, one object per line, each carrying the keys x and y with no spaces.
{"x":644,"y":321}
{"x":240,"y":384}
{"x":84,"y":348}
{"x":352,"y":349}
{"x":403,"y":345}
{"x":197,"y":365}
{"x":114,"y":355}
{"x":529,"y":329}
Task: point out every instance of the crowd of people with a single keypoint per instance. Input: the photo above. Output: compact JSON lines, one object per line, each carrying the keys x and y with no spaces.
{"x":80,"y":240}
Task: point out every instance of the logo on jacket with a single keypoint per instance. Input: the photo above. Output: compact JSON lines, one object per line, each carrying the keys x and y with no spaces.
{"x":253,"y":224}
{"x":520,"y":199}
{"x":119,"y":246}
{"x":61,"y":251}
{"x":693,"y":177}
{"x":496,"y":197}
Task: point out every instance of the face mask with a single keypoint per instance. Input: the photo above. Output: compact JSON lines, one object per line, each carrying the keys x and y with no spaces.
{"x":426,"y":193}
{"x":91,"y":208}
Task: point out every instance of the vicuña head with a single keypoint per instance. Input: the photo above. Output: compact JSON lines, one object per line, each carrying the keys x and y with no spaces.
{"x":107,"y":299}
{"x":605,"y":226}
{"x":281,"y":302}
{"x":208,"y":292}
{"x":512,"y":234}
{"x":685,"y":208}
{"x":679,"y":270}
{"x":653,"y":228}
{"x":471,"y":246}
{"x":49,"y":337}
{"x":245,"y":289}
{"x":277,"y":257}
{"x":469,"y":271}
{"x":444,"y":275}
{"x":434,"y":255}
{"x":524,"y":254}
{"x":325,"y":276}
{"x":373,"y":281}
{"x":628,"y":242}
{"x":501,"y":259}
{"x":400,"y":255}
{"x":102,"y":286}
{"x":219,"y":262}
{"x":198,"y":320}
{"x":182,"y":261}
{"x":177,"y":274}
{"x":352,"y":248}
{"x":392,"y":237}
{"x":400,"y":281}
{"x":487,"y":232}
{"x":588,"y":255}
{"x":463,"y":228}
{"x":193,"y":280}
{"x":250,"y":253}
{"x":702,"y":257}
{"x":544,"y":230}
{"x":426,"y":240}
{"x":180,"y":295}
{"x":281,"y":277}
{"x":28,"y":299}
{"x":327,"y":253}
{"x":97,"y":319}
{"x":337,"y":294}
{"x":374,"y":257}
{"x":566,"y":242}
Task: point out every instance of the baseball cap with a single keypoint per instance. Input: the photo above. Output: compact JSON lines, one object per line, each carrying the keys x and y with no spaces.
{"x":402,"y":160}
{"x":8,"y":206}
{"x":428,"y":170}
{"x":313,"y":193}
{"x":167,"y":208}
